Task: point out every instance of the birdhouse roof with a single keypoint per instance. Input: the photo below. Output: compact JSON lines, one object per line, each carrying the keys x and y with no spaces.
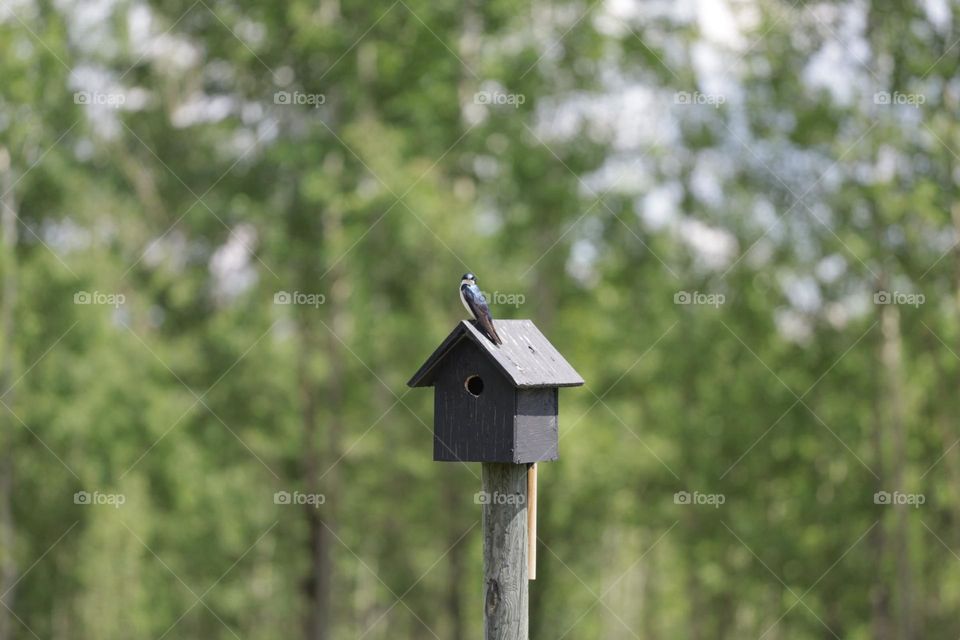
{"x":526,"y":357}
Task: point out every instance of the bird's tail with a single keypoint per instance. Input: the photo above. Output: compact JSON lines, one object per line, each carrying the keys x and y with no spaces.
{"x":494,"y":336}
{"x":487,"y":325}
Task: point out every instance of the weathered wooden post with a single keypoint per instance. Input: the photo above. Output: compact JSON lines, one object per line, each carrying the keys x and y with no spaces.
{"x":505,"y":549}
{"x":498,"y":404}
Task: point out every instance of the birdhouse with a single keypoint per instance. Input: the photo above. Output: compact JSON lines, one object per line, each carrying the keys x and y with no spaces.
{"x":496,"y":403}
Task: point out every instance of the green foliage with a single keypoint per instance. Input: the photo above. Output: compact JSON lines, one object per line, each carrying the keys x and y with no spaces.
{"x":591,"y":190}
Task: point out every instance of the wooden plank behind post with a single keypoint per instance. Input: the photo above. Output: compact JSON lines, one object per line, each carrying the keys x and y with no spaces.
{"x":532,"y":521}
{"x":505,"y":606}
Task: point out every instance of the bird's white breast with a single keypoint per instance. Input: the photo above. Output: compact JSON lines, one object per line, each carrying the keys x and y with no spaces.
{"x":465,"y":305}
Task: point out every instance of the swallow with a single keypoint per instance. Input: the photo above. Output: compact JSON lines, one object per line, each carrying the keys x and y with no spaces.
{"x":472,"y":298}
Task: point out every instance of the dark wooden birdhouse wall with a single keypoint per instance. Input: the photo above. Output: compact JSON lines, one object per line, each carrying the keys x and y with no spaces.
{"x":481,"y":417}
{"x":473,"y":411}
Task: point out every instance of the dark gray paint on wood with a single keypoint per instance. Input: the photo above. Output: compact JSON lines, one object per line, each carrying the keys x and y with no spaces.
{"x":502,"y":424}
{"x":514,"y":419}
{"x":505,"y":594}
{"x":535,"y":426}
{"x":468,"y":428}
{"x":526,"y":357}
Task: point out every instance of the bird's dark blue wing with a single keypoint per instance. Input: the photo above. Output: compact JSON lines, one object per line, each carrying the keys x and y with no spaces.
{"x":478,"y":304}
{"x":475,"y":299}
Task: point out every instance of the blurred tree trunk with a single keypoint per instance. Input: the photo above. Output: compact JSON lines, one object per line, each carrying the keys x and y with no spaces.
{"x":881,"y":622}
{"x":8,"y":225}
{"x":453,"y":496}
{"x":649,"y":601}
{"x":892,"y":424}
{"x":880,"y":592}
{"x":322,"y":521}
{"x":316,"y":588}
{"x":695,"y":599}
{"x":893,"y":395}
{"x":947,"y":416}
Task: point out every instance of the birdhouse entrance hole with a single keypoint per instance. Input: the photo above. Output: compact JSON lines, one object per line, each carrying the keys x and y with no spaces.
{"x":474,"y":385}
